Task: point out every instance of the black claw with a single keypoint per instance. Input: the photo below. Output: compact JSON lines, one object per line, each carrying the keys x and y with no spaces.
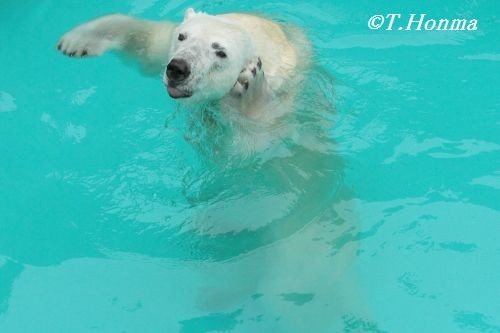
{"x":254,"y":71}
{"x":259,"y":63}
{"x":84,"y":53}
{"x":72,"y":53}
{"x":246,"y":85}
{"x":59,"y":46}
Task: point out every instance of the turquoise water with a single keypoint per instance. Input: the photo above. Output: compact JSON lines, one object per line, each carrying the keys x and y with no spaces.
{"x":382,"y":216}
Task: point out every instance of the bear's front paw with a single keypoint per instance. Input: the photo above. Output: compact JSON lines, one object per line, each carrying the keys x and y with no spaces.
{"x":82,"y":42}
{"x":249,"y":79}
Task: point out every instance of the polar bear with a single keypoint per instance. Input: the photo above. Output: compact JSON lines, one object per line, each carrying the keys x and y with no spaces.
{"x":241,"y":61}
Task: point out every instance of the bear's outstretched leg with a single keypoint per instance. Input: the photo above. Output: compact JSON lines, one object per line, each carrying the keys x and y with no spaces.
{"x":146,"y":41}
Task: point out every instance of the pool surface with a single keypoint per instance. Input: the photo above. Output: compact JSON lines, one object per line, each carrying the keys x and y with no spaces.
{"x":117,"y":214}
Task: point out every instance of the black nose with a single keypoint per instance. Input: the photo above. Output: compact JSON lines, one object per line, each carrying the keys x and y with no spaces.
{"x":178,"y":70}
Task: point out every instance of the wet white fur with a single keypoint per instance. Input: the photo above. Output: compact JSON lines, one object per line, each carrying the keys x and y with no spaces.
{"x":154,"y":44}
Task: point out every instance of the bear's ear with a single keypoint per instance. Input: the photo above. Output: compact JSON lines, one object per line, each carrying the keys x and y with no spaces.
{"x":189,"y":13}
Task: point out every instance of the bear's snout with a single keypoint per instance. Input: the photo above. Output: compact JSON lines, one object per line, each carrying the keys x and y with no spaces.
{"x":178,"y":70}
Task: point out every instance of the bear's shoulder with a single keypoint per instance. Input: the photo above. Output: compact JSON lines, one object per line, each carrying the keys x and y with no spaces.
{"x":272,"y":44}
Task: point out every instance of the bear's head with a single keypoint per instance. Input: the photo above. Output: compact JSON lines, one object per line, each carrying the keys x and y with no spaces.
{"x":207,"y":54}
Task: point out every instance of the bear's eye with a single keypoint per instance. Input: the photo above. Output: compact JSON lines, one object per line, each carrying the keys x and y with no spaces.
{"x":221,"y":54}
{"x":182,"y":37}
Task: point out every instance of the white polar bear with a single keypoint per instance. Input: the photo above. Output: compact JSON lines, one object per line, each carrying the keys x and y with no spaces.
{"x":205,"y":58}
